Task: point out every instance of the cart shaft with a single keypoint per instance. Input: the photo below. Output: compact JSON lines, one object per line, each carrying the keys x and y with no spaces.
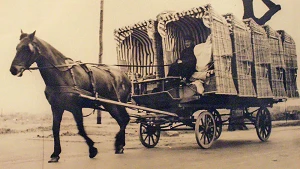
{"x":129,"y":105}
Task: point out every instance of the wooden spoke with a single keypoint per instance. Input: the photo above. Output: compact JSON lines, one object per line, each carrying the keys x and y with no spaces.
{"x":218,"y":121}
{"x":149,"y":134}
{"x":263,"y":124}
{"x":205,"y":129}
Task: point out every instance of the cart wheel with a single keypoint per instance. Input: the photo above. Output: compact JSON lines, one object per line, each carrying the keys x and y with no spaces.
{"x":218,"y":121}
{"x":263,"y":124}
{"x":205,"y":129}
{"x":149,"y":134}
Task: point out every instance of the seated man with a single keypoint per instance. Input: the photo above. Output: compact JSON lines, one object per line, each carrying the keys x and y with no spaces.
{"x":204,"y":66}
{"x":185,"y":66}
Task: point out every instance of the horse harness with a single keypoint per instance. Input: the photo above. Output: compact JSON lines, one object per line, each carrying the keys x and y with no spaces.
{"x":74,"y":88}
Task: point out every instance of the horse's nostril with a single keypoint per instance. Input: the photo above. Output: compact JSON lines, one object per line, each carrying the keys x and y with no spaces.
{"x":16,"y":70}
{"x":13,"y":70}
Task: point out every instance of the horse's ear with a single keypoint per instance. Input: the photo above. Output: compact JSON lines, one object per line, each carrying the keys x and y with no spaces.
{"x":23,"y":35}
{"x":31,"y":36}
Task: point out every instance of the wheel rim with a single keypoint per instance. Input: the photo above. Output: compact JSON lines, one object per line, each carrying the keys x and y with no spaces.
{"x":218,"y":121}
{"x":263,"y":124}
{"x":149,"y":135}
{"x":205,"y":129}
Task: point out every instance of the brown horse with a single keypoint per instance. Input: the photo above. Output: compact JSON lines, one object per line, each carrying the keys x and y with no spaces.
{"x":65,"y":80}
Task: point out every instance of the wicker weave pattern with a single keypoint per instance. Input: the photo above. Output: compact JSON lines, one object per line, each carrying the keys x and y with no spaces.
{"x":173,"y":26}
{"x":138,"y":47}
{"x":199,"y":23}
{"x":242,"y":56}
{"x":277,"y":63}
{"x":249,"y":60}
{"x":262,"y":59}
{"x":222,"y":55}
{"x":290,"y":59}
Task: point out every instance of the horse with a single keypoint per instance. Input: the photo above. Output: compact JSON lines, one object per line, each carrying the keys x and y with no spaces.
{"x":66,"y":80}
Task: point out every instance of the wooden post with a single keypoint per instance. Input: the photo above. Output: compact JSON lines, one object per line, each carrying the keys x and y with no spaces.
{"x":100,"y":48}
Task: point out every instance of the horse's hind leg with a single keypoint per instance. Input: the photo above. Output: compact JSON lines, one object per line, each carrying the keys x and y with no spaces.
{"x":77,"y":113}
{"x":57,"y":116}
{"x":122,"y":118}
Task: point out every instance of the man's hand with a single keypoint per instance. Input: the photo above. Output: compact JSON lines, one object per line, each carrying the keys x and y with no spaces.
{"x":179,"y":61}
{"x":209,"y":72}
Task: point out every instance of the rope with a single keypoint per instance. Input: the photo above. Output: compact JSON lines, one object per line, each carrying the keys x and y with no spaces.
{"x":89,"y":114}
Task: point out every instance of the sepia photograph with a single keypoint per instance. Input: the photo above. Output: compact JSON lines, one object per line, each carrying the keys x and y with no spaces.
{"x":149,"y":84}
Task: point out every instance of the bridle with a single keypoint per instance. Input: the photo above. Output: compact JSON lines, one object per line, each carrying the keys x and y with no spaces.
{"x":35,"y":50}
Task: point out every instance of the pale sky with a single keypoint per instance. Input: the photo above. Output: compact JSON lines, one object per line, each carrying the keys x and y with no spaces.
{"x":72,"y":27}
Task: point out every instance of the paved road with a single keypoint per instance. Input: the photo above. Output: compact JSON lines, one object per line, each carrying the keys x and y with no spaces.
{"x":239,"y":149}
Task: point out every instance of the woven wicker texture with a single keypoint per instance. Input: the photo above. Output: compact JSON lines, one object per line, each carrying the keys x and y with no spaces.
{"x":242,"y":61}
{"x":290,"y":59}
{"x":277,"y":63}
{"x":262,"y":59}
{"x":139,"y":47}
{"x":249,"y":60}
{"x":200,"y":23}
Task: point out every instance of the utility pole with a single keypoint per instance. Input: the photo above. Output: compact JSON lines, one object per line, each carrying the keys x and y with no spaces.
{"x":100,"y":49}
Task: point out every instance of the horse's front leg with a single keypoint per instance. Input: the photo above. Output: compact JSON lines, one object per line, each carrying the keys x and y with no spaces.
{"x":77,"y":113}
{"x":122,"y":118}
{"x":57,"y":117}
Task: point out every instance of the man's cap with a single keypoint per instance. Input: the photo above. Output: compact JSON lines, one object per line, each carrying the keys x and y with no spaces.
{"x":188,"y":37}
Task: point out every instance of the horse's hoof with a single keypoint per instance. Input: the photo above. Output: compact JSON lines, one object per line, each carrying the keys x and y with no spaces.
{"x":93,"y":152}
{"x":54,"y":160}
{"x":120,"y":151}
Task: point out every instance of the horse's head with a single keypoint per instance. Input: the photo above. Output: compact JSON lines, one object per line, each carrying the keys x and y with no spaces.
{"x":26,"y":54}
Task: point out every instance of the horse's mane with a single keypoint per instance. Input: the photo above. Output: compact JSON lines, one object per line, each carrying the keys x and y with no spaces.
{"x":47,"y":50}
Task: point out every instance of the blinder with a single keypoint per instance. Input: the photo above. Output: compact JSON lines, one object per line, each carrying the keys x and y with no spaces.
{"x":28,"y":55}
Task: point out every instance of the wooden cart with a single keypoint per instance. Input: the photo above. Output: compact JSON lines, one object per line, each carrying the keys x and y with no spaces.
{"x":254,"y":68}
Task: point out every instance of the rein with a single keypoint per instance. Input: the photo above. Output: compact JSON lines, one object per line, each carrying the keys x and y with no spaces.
{"x":95,"y":64}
